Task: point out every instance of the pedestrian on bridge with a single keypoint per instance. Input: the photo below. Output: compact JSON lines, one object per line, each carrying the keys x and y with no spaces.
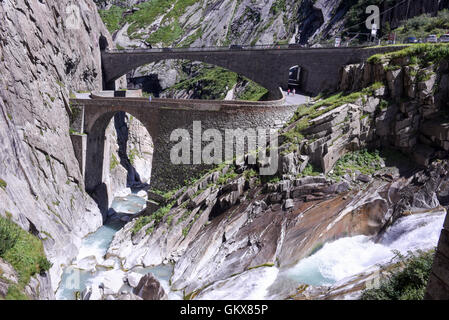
{"x":288,"y":92}
{"x":149,"y":99}
{"x":294,"y":91}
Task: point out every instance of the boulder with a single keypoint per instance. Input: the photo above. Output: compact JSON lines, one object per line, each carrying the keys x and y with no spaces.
{"x":133,"y":279}
{"x":149,"y":288}
{"x":364,"y":178}
{"x":87,"y":263}
{"x":289,"y":204}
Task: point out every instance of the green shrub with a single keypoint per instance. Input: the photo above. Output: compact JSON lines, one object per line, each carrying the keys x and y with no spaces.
{"x":230,"y":175}
{"x":310,"y":171}
{"x":210,"y":83}
{"x":112,"y":18}
{"x":15,"y":293}
{"x":364,"y":161}
{"x":407,"y":284}
{"x":25,"y":253}
{"x":157,"y":217}
{"x":8,"y":235}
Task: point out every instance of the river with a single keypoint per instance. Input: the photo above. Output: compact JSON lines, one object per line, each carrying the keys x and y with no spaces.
{"x":334,"y":262}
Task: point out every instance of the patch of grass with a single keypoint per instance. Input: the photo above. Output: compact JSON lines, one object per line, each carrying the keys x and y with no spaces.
{"x":210,"y":83}
{"x":187,"y":229}
{"x":184,"y":216}
{"x":375,"y":59}
{"x":293,"y":136}
{"x":364,"y":161}
{"x":112,"y":18}
{"x":248,"y":174}
{"x":423,"y":55}
{"x":8,"y":235}
{"x":270,"y":179}
{"x":132,"y":155}
{"x":392,"y":67}
{"x":170,"y":29}
{"x":25,"y":254}
{"x":305,"y":113}
{"x":15,"y":293}
{"x":187,"y":42}
{"x":155,"y":217}
{"x":166,"y":35}
{"x":229,"y":176}
{"x":424,"y":25}
{"x":167,"y":195}
{"x":310,"y":171}
{"x":253,"y":92}
{"x":409,"y":283}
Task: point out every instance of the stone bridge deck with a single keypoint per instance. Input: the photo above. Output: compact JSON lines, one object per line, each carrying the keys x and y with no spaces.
{"x":161,"y":117}
{"x":320,"y":67}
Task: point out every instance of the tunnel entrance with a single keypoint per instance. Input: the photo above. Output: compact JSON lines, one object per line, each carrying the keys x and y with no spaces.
{"x":294,"y":78}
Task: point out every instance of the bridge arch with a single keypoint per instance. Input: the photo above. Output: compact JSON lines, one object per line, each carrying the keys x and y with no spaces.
{"x":98,"y":155}
{"x":127,"y":67}
{"x":190,"y":64}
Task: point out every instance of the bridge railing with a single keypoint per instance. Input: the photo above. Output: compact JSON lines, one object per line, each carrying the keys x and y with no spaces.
{"x":190,"y":102}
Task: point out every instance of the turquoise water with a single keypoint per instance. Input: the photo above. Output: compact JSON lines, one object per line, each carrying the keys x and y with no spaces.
{"x":131,"y":204}
{"x":94,"y":248}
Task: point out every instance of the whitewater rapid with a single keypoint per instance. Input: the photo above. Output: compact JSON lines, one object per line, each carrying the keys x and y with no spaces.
{"x":350,"y":256}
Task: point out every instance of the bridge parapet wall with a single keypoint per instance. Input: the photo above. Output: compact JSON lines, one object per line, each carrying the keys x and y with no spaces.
{"x":193,"y":102}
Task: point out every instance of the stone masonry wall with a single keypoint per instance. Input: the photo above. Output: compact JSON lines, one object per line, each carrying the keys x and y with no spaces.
{"x":160,"y":122}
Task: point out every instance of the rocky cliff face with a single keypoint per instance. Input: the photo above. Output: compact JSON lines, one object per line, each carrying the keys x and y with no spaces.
{"x":397,"y":13}
{"x":47,"y":50}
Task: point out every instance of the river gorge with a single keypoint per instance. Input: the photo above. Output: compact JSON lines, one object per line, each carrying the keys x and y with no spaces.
{"x":336,"y":262}
{"x":93,"y":93}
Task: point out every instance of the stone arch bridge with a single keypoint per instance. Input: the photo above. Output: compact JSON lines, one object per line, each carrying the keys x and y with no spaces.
{"x":266,"y":65}
{"x":161,"y":117}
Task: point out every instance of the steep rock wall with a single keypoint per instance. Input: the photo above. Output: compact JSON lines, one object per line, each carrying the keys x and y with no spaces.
{"x":47,"y":50}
